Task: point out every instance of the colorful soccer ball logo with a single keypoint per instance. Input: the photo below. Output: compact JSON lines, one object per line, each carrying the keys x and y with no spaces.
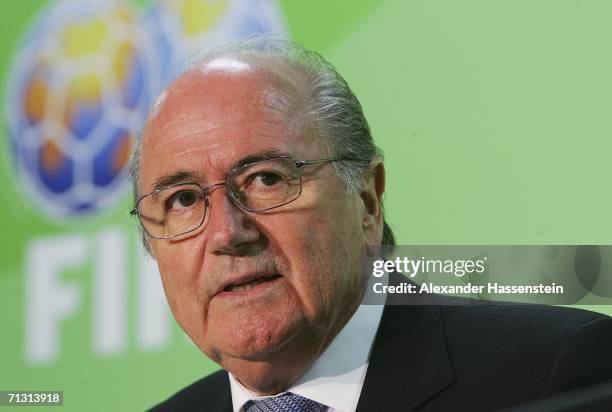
{"x":78,"y":92}
{"x":83,"y":80}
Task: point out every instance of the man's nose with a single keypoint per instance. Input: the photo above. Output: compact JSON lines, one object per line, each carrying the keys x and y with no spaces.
{"x":229,"y":228}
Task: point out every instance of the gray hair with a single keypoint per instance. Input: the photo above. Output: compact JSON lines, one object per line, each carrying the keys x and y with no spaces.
{"x":332,"y":109}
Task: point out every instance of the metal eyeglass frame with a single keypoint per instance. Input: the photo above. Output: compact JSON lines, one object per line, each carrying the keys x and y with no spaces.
{"x":207,"y":189}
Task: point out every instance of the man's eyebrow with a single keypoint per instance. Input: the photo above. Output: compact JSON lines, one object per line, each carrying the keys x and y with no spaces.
{"x":185,"y":176}
{"x":257,"y":157}
{"x":182,"y":176}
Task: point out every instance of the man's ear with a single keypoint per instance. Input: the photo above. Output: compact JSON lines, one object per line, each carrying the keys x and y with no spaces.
{"x":372,"y":190}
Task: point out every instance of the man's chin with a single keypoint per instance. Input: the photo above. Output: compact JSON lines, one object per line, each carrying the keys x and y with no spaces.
{"x":253,"y":336}
{"x":252,"y":353}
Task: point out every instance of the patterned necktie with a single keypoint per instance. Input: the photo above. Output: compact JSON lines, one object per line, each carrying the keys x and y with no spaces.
{"x":287,"y":402}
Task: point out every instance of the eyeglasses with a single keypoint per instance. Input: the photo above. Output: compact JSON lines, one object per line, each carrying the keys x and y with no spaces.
{"x":181,"y":208}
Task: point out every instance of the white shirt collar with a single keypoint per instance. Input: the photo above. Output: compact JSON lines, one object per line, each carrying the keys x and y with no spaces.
{"x":335,"y":379}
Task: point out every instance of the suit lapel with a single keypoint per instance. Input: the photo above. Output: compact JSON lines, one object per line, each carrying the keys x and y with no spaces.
{"x":409,"y":363}
{"x":218,"y":395}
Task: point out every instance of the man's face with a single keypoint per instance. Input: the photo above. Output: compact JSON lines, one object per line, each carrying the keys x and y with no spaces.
{"x":299,"y":261}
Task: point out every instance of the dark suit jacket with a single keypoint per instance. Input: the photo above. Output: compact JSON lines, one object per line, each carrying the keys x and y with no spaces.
{"x":475,"y":357}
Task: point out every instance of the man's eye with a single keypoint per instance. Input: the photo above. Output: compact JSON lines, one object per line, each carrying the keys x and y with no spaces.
{"x":267,"y":178}
{"x":182,"y":199}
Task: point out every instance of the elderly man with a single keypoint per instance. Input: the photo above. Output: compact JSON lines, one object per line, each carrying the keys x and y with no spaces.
{"x":258,"y":186}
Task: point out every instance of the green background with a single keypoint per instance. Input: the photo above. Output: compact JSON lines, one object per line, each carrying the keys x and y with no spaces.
{"x":494,"y":117}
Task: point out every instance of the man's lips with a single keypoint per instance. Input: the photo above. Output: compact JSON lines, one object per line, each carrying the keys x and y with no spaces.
{"x":246,"y":282}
